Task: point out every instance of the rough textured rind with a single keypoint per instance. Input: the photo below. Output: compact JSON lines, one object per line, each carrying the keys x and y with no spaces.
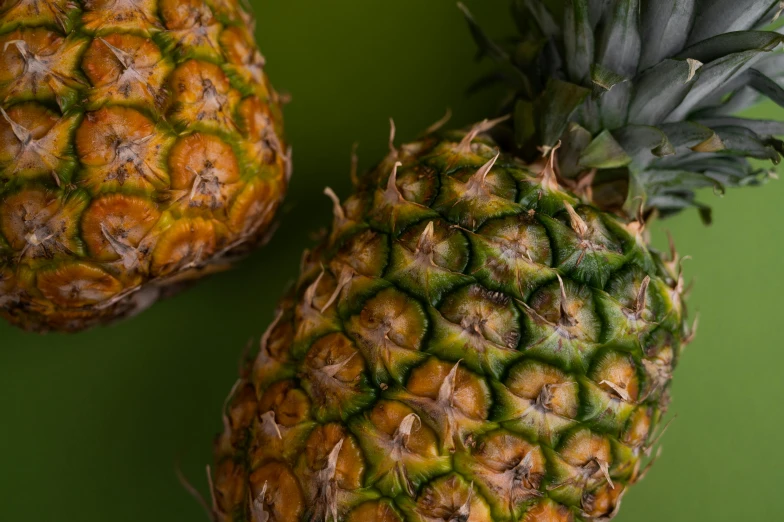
{"x":469,"y":343}
{"x":141,"y":146}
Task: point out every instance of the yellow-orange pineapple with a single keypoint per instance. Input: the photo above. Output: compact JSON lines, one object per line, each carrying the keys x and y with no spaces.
{"x":141,"y":146}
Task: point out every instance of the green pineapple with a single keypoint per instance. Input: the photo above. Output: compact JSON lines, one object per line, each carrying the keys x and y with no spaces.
{"x":485,"y":333}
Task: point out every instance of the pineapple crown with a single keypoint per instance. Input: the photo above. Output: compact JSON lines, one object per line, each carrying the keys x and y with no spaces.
{"x":639,"y":96}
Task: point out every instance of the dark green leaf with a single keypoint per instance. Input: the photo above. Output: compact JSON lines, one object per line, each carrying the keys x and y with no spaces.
{"x":673,"y":202}
{"x":487,"y":47}
{"x":575,"y":140}
{"x":588,"y":115}
{"x":524,"y":122}
{"x":686,"y":134}
{"x":732,"y":165}
{"x":614,"y":106}
{"x":764,"y":85}
{"x":744,"y":141}
{"x":555,"y":107}
{"x":678,"y":179}
{"x":641,"y":142}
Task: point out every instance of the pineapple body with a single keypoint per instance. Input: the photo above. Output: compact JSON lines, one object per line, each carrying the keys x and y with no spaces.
{"x":470,"y":342}
{"x":141,"y":146}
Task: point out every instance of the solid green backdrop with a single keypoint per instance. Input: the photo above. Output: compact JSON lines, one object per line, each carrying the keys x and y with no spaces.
{"x":93,"y":424}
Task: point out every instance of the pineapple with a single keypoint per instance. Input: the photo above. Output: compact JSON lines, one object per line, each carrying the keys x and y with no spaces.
{"x":141,"y":147}
{"x":485,"y":333}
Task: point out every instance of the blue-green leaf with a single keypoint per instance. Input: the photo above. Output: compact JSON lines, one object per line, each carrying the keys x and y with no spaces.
{"x":578,"y":40}
{"x":619,"y":44}
{"x":724,"y":44}
{"x":715,"y":17}
{"x":687,"y":134}
{"x":761,"y":127}
{"x":615,"y":105}
{"x":665,"y":27}
{"x":659,"y":91}
{"x":556,"y":106}
{"x":764,"y":85}
{"x":710,"y":78}
{"x":642,"y":142}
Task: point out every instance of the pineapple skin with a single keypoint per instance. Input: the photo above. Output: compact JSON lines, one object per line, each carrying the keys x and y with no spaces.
{"x":141,"y":147}
{"x":470,"y":342}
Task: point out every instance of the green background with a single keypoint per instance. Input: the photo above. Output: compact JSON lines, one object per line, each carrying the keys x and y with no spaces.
{"x":92,"y":425}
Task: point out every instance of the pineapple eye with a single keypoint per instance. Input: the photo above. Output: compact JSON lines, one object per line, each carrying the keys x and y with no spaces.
{"x":34,"y":143}
{"x":78,"y":285}
{"x":289,"y":404}
{"x":332,"y":450}
{"x":204,"y":171}
{"x":389,"y":330}
{"x":275,"y":492}
{"x":186,"y":245}
{"x":334,"y":377}
{"x":115,"y":225}
{"x":203,"y":94}
{"x":375,"y":511}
